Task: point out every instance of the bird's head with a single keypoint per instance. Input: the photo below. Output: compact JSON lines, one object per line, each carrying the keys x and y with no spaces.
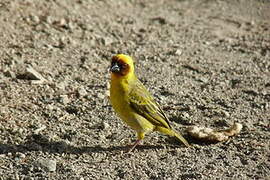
{"x":122,"y":65}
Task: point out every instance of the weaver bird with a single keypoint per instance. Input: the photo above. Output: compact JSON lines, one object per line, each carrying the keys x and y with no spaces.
{"x":134,"y":104}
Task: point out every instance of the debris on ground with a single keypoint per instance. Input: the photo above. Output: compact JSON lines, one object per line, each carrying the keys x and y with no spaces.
{"x":211,"y":135}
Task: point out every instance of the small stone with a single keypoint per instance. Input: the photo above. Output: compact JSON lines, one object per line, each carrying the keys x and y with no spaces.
{"x":49,"y":20}
{"x":50,"y":107}
{"x":70,"y":25}
{"x":159,"y":20}
{"x":100,"y":96}
{"x":105,"y":125}
{"x":225,"y":114}
{"x":107,"y":93}
{"x":47,"y":164}
{"x":20,"y":131}
{"x":35,"y":19}
{"x":2,"y":155}
{"x":62,"y":85}
{"x":203,"y":79}
{"x":178,"y":52}
{"x":39,"y":129}
{"x":31,"y":74}
{"x":62,"y":22}
{"x":64,"y":99}
{"x":19,"y":156}
{"x":106,"y":41}
{"x":63,"y":41}
{"x":82,"y":92}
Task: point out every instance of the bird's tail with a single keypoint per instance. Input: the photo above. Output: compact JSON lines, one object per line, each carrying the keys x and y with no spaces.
{"x":181,"y":138}
{"x":171,"y":132}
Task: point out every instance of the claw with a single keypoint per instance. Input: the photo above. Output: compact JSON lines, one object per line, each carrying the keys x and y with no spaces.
{"x":134,"y":145}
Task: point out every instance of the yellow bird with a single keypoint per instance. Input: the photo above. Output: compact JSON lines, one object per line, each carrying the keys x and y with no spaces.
{"x":134,"y":104}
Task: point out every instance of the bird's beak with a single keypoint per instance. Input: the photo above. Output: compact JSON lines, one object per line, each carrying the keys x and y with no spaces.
{"x":115,"y":68}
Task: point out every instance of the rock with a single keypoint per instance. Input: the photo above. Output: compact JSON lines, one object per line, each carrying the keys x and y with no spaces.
{"x":64,"y":99}
{"x":46,"y":164}
{"x":50,"y":107}
{"x":32,"y":74}
{"x":107,"y":93}
{"x":178,"y":52}
{"x":82,"y":92}
{"x":105,"y":125}
{"x":225,"y":113}
{"x":106,"y":41}
{"x":100,"y":96}
{"x":203,"y":79}
{"x":35,"y":19}
{"x":39,"y":129}
{"x":159,"y":20}
{"x":19,"y":156}
{"x":49,"y":20}
{"x":62,"y":85}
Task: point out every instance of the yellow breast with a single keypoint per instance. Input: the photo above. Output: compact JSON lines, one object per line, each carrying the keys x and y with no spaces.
{"x":120,"y":102}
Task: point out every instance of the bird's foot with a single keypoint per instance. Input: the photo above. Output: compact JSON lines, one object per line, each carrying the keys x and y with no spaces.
{"x":134,"y":145}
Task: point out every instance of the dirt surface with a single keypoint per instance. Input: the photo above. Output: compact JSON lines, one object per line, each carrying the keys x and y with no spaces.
{"x":207,"y":62}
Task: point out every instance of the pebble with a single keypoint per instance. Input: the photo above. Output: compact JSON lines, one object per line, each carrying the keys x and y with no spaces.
{"x":32,"y":74}
{"x":82,"y":92}
{"x":19,"y":156}
{"x":178,"y":52}
{"x":225,"y":113}
{"x":50,"y":107}
{"x":100,"y":96}
{"x":106,"y":41}
{"x":39,"y":129}
{"x":107,"y":93}
{"x":49,"y":20}
{"x":203,"y":79}
{"x":105,"y":125}
{"x":64,"y":99}
{"x":35,"y":19}
{"x":62,"y":85}
{"x":46,"y":164}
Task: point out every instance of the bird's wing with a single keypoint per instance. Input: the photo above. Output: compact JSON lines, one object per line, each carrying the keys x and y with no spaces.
{"x":143,"y":103}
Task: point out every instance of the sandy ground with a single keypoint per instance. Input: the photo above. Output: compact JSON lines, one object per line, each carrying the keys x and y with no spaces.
{"x":207,"y":62}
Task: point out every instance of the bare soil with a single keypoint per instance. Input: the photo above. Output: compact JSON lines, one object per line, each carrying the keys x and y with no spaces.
{"x":207,"y":63}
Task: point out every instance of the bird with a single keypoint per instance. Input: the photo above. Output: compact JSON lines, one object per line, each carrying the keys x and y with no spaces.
{"x":134,"y":104}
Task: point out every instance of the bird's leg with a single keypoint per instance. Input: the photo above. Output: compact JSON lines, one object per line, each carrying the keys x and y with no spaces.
{"x":140,"y":136}
{"x":134,"y":145}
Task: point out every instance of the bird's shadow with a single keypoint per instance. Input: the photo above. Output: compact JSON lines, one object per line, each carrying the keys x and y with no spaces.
{"x":38,"y":142}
